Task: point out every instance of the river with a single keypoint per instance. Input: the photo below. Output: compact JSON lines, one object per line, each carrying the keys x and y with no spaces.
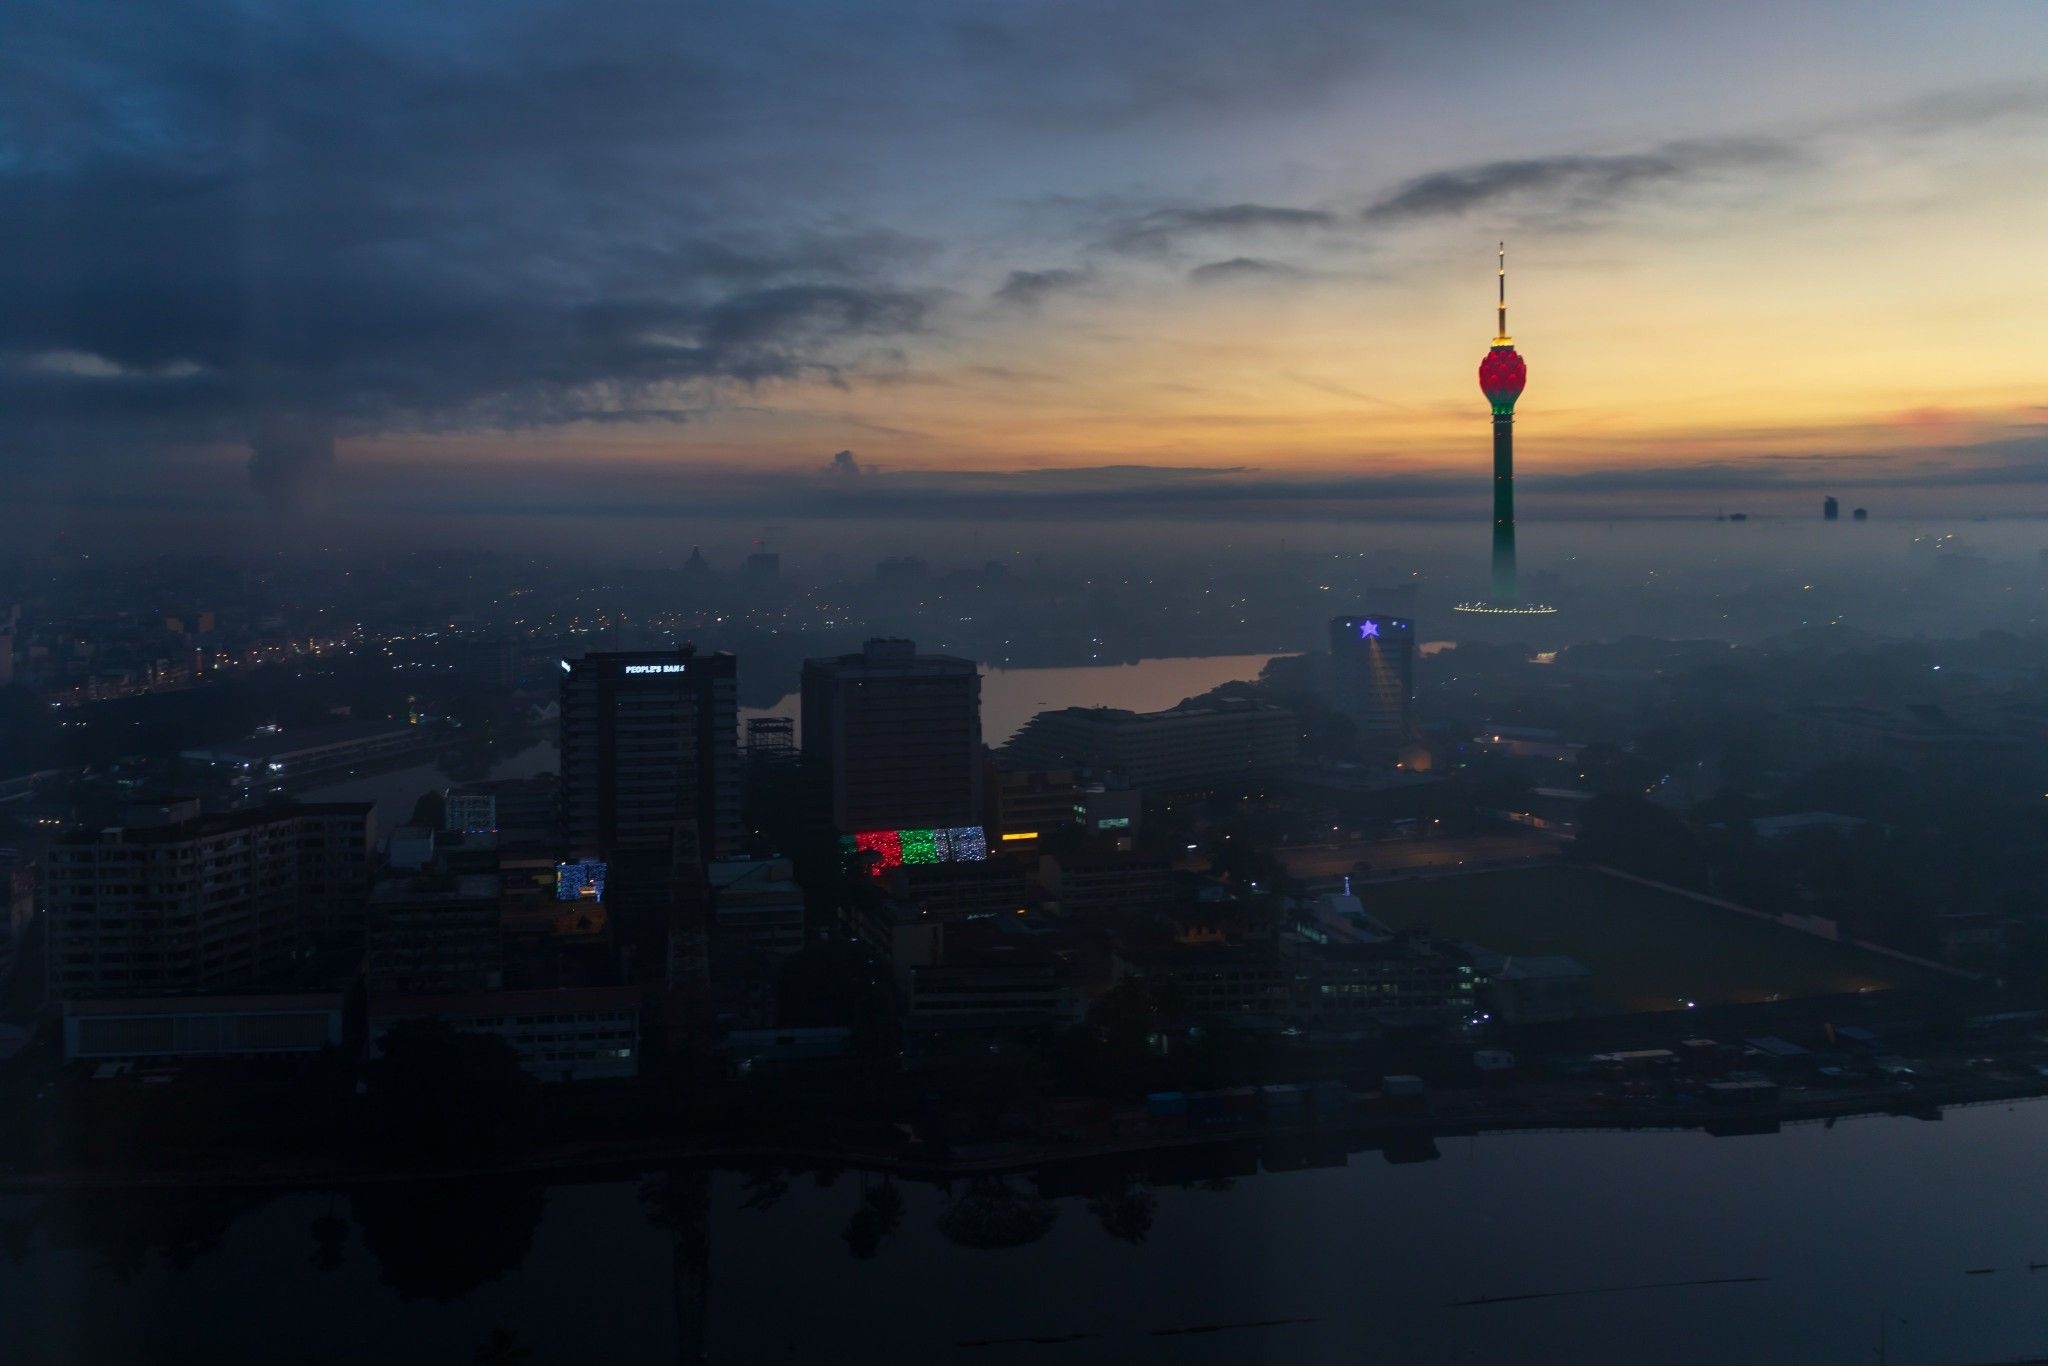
{"x":1009,"y":698}
{"x":1801,"y":1246}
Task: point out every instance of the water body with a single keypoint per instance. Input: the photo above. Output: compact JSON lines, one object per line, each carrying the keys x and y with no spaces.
{"x":1802,"y":1246}
{"x":1009,"y":698}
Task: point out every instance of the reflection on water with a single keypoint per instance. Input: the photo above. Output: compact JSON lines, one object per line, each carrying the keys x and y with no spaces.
{"x":1586,"y":1247}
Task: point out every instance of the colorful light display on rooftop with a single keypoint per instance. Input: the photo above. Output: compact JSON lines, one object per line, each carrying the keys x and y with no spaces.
{"x":895,"y":848}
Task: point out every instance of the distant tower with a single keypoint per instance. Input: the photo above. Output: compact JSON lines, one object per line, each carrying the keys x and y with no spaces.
{"x":1830,"y":510}
{"x":1502,"y":376}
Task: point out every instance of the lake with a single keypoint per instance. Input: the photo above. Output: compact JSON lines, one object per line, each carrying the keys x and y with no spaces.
{"x":1009,"y":698}
{"x":1801,"y":1246}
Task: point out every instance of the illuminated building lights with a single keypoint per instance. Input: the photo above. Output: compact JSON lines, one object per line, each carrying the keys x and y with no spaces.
{"x":920,"y":846}
{"x":1508,"y":609}
{"x":1020,"y":835}
{"x":946,"y":844}
{"x":580,"y":880}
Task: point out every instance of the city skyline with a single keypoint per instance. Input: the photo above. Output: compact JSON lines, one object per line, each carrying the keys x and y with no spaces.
{"x":694,"y":262}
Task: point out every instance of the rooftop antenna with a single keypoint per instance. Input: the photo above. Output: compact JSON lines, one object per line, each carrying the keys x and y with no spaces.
{"x":1503,"y":339}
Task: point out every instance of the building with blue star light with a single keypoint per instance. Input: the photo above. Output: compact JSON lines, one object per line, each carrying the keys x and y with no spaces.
{"x":1372,"y":667}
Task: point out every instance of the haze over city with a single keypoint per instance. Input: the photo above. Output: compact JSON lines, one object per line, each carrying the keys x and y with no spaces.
{"x":1144,"y":681}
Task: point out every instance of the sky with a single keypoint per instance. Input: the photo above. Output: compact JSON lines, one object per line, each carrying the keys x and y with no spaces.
{"x":900,"y":256}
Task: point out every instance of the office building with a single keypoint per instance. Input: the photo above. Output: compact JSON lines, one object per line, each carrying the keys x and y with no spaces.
{"x":1022,"y":803}
{"x":1830,"y":510}
{"x":203,"y":902}
{"x":650,"y":742}
{"x":1372,"y":668}
{"x":469,"y":813}
{"x":1187,"y":748}
{"x":892,"y":738}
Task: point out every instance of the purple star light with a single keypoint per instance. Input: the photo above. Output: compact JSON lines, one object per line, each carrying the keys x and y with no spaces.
{"x":1369,"y":630}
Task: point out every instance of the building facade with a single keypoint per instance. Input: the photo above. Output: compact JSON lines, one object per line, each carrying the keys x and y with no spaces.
{"x":1372,"y":667}
{"x":207,"y":903}
{"x":650,"y":742}
{"x":892,"y":738}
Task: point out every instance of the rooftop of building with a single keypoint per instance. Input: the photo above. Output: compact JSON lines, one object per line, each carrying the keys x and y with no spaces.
{"x":1531,"y":967}
{"x":280,"y":1003}
{"x":749,"y":874}
{"x":436,"y":887}
{"x":544,"y":1001}
{"x":884,"y":656}
{"x":215,"y":823}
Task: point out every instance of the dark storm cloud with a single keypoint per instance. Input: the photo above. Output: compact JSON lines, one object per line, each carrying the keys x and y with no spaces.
{"x":1162,"y":230}
{"x":1026,"y":288}
{"x":210,"y":217}
{"x":1239,"y":268}
{"x":1576,"y":183}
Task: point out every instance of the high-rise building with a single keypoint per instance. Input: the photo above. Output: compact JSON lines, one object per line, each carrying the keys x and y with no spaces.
{"x":203,"y":903}
{"x":1830,"y":510}
{"x":1372,"y":666}
{"x":892,"y":738}
{"x":1502,"y":376}
{"x":771,"y":739}
{"x":650,"y":742}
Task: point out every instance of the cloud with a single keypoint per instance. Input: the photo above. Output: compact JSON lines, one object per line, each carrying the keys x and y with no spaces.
{"x":1028,"y":288}
{"x":843,"y":465}
{"x":212,"y":215}
{"x":1574,"y":183}
{"x":1161,"y":230}
{"x":1243,"y":268}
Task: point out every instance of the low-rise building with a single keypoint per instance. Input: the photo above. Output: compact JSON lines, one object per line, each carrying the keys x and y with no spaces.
{"x":757,"y":905}
{"x":204,"y":903}
{"x":435,"y":933}
{"x":167,"y":1028}
{"x":1538,"y":988}
{"x":1023,"y":803}
{"x":1099,"y":881}
{"x":574,"y":1034}
{"x":960,"y":891}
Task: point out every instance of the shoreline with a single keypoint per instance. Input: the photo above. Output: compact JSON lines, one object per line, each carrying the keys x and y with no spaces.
{"x":1358,"y":1134}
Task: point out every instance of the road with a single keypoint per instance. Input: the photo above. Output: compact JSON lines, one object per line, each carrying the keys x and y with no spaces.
{"x":1400,"y":856}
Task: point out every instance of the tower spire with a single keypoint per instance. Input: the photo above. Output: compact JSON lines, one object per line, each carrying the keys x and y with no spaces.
{"x":1502,"y":338}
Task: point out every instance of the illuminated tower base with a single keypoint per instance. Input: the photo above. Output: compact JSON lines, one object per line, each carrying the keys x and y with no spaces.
{"x":1502,"y":377}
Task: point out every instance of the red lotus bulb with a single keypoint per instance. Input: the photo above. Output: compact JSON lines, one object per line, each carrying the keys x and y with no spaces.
{"x":1502,"y":376}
